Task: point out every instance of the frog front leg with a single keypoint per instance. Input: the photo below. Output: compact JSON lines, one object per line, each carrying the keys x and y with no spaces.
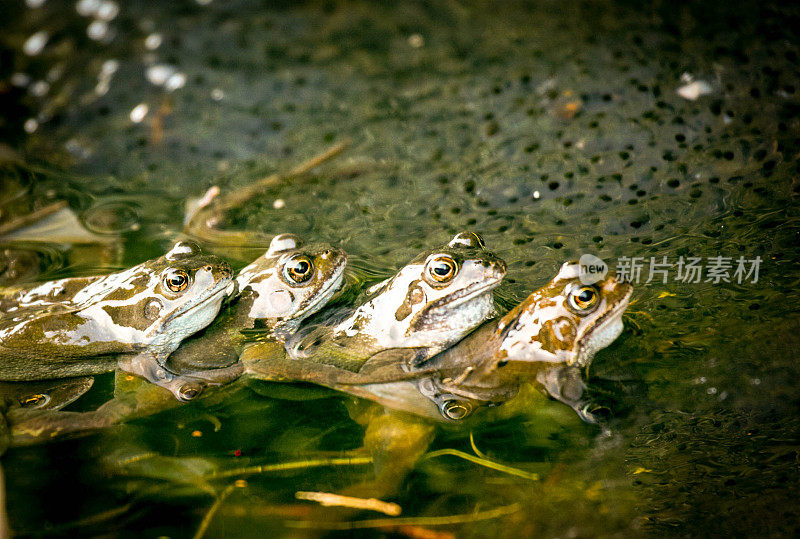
{"x":565,"y":384}
{"x":150,"y":366}
{"x":184,"y":386}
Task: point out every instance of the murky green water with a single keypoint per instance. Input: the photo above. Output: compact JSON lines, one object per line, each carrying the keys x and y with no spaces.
{"x":553,"y":129}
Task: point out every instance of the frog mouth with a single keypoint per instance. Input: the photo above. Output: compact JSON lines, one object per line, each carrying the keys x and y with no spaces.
{"x":222,"y":289}
{"x":318,"y":300}
{"x":464,"y":295}
{"x":605,"y":331}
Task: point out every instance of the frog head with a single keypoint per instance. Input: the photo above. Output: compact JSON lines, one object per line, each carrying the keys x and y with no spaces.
{"x":289,"y":282}
{"x":432,"y":302}
{"x":566,"y":321}
{"x":158,"y":302}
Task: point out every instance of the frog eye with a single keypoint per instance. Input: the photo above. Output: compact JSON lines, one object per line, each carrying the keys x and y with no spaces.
{"x":456,"y":410}
{"x":298,"y":269}
{"x":583,"y":298}
{"x":37,"y":400}
{"x":176,"y":280}
{"x":442,"y":269}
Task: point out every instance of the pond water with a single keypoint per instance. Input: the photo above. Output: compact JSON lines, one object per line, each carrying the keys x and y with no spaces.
{"x":553,"y":129}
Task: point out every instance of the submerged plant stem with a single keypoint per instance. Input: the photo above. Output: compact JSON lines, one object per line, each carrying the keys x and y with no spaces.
{"x":201,"y":530}
{"x":297,"y":465}
{"x":484,"y":462}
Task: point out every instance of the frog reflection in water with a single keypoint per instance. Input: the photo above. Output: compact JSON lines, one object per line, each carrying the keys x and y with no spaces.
{"x":134,"y":319}
{"x":277,"y":291}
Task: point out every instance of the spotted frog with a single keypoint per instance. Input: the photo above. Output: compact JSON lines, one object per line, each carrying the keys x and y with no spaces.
{"x":285,"y":285}
{"x":134,"y":318}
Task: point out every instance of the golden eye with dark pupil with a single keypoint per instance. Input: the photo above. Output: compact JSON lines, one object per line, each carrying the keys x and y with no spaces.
{"x":176,"y":280}
{"x":583,"y":298}
{"x":298,"y":269}
{"x":442,"y":269}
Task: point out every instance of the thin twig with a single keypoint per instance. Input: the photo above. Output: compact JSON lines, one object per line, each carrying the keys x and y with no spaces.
{"x":328,"y":499}
{"x":32,"y":217}
{"x":202,"y":224}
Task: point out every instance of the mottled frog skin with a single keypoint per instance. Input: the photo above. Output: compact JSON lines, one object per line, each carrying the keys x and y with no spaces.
{"x":431,"y":303}
{"x":548,"y":337}
{"x":135,"y":317}
{"x":290,"y":282}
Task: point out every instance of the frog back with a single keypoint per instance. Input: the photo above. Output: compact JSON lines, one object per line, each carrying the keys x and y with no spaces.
{"x":14,"y":299}
{"x":59,"y":341}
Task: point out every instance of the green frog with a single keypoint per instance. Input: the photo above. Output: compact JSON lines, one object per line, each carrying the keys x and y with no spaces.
{"x":132,"y":319}
{"x":290,"y":282}
{"x":431,"y":303}
{"x":278,"y":290}
{"x":550,"y":337}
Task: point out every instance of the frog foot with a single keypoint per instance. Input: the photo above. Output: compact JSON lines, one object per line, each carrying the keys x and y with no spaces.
{"x":184,"y":387}
{"x":566,"y":385}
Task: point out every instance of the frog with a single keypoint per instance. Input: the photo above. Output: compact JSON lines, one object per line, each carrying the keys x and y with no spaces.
{"x":132,"y":319}
{"x":428,"y":305}
{"x":276,"y":292}
{"x":288,"y":283}
{"x":549,"y":338}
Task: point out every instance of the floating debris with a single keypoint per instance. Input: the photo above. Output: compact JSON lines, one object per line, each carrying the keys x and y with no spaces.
{"x":20,"y":80}
{"x":139,"y":112}
{"x":107,"y":11}
{"x":336,"y":500}
{"x":153,"y":41}
{"x":176,"y":81}
{"x":165,"y":75}
{"x":36,"y":43}
{"x":87,"y":8}
{"x":40,"y":88}
{"x":97,"y":30}
{"x":31,"y":125}
{"x":416,"y":41}
{"x":693,"y":89}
